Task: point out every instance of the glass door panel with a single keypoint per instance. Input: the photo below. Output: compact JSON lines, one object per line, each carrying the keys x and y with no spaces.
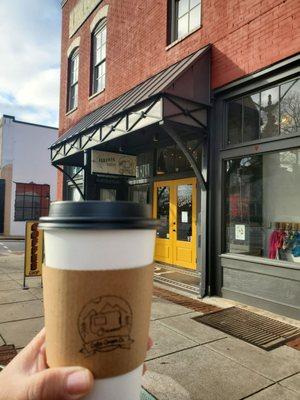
{"x":174,"y":205}
{"x":184,"y":243}
{"x":163,"y":212}
{"x":184,"y":212}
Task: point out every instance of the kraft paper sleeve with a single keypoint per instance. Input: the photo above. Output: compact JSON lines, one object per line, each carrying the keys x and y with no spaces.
{"x":97,"y":319}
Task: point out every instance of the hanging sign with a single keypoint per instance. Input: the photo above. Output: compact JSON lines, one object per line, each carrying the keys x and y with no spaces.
{"x":33,"y":250}
{"x":104,"y":162}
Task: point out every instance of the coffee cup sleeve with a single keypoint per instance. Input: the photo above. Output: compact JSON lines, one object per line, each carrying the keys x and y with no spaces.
{"x":97,"y":319}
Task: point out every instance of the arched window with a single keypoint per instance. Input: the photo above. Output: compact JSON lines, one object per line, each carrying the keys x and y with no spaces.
{"x":98,"y":57}
{"x":73,"y":79}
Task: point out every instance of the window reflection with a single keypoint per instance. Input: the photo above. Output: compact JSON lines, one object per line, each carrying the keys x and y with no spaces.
{"x":171,"y":159}
{"x":139,"y":194}
{"x":262,"y":192}
{"x":266,"y":114}
{"x":290,"y":107}
{"x":251,"y":117}
{"x":235,"y":122}
{"x":184,"y":213}
{"x":270,"y":112}
{"x":163,"y":207}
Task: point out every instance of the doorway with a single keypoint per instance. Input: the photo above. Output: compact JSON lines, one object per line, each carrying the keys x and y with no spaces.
{"x":174,"y":204}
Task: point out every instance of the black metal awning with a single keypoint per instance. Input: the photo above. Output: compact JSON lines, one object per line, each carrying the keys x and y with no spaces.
{"x":179,"y":94}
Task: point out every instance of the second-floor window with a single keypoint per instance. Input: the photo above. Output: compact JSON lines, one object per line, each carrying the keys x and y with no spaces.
{"x":185,"y":17}
{"x":98,"y":57}
{"x":73,"y":80}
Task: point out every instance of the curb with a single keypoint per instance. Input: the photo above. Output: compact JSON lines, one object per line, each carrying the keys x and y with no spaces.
{"x":4,"y":238}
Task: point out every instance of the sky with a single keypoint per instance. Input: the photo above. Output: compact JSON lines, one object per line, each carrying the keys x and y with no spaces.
{"x":30,"y":59}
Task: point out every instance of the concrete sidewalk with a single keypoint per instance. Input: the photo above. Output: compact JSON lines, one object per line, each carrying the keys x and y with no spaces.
{"x":4,"y":238}
{"x":189,"y":361}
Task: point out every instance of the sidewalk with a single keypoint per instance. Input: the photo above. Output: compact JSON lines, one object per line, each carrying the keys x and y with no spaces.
{"x":189,"y":361}
{"x":4,"y":238}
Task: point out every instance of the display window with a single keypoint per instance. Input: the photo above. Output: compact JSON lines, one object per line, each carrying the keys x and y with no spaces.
{"x":265,"y":114}
{"x":262,"y":207}
{"x":170,"y":159}
{"x":139,"y":194}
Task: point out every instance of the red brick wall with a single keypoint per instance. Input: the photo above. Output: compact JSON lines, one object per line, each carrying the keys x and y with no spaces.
{"x":246,"y":35}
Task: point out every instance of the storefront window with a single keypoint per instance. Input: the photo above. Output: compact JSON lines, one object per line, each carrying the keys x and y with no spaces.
{"x":184,"y":212}
{"x":106,"y":194}
{"x":171,"y":159}
{"x":139,"y":194}
{"x":262,"y":211}
{"x":74,"y":194}
{"x":269,"y":114}
{"x":144,"y":165}
{"x":163,"y":205}
{"x":290,"y":107}
{"x":265,"y":114}
{"x":251,"y":117}
{"x":235,"y":109}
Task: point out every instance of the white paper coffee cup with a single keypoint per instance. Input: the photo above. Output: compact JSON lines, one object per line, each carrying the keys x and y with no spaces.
{"x":100,"y":236}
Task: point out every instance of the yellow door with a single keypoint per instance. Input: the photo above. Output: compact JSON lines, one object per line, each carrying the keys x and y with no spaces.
{"x":175,"y":206}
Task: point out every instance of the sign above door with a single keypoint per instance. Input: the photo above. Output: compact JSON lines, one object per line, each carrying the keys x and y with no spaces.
{"x":106,"y":163}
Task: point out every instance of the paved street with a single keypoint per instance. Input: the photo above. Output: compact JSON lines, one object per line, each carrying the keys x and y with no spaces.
{"x":11,"y":246}
{"x":189,"y":361}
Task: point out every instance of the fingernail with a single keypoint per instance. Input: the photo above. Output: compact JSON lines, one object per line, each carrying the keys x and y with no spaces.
{"x":79,"y":382}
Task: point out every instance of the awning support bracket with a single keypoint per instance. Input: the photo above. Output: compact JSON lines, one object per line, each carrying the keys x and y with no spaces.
{"x":71,"y":178}
{"x":177,"y":139}
{"x":187,"y":112}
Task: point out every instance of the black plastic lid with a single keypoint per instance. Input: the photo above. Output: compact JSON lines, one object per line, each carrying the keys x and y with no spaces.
{"x":98,"y":215}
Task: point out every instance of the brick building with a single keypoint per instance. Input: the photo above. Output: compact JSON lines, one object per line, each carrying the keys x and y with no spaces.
{"x":193,"y":107}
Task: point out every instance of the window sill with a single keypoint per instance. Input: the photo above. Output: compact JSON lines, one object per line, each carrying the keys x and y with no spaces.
{"x":261,"y":260}
{"x":179,"y":40}
{"x":71,"y":111}
{"x":96,"y":94}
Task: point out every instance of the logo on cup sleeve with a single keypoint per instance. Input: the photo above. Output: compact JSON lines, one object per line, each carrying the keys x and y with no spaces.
{"x":104,"y":324}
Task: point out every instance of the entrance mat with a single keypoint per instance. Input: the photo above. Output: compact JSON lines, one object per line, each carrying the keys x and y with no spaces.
{"x":195,"y":305}
{"x":146,"y":395}
{"x":177,"y":277}
{"x":7,"y":353}
{"x":295,"y":344}
{"x":256,"y":329}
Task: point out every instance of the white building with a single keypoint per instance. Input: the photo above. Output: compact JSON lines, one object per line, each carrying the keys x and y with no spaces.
{"x":27,"y":178}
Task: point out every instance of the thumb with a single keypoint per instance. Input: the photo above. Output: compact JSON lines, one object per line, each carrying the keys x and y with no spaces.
{"x":66,"y":383}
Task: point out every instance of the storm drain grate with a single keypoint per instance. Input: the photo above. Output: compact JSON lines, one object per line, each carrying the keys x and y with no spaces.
{"x":258,"y":330}
{"x":146,"y":395}
{"x":184,"y":301}
{"x":7,"y":353}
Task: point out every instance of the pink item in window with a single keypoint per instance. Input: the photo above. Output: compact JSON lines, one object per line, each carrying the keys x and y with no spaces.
{"x":275,"y":243}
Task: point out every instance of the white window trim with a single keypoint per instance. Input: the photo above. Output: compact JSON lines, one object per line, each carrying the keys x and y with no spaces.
{"x":69,"y":110}
{"x":101,"y":26}
{"x":73,"y":45}
{"x":176,"y":39}
{"x":101,"y":14}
